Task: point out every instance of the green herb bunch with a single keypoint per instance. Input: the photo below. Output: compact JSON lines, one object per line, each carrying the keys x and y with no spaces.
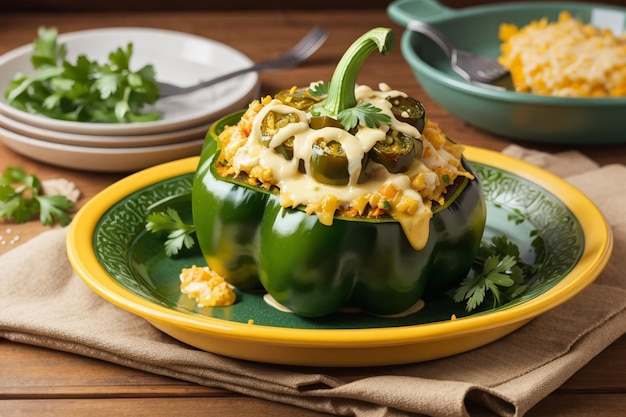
{"x":179,"y":233}
{"x":84,"y":91}
{"x":21,"y":200}
{"x":497,"y":270}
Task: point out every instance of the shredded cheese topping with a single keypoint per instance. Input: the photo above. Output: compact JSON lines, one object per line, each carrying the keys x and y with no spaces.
{"x":565,"y":58}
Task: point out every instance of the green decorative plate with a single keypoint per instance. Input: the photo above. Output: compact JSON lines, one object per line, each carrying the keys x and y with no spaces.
{"x":110,"y":249}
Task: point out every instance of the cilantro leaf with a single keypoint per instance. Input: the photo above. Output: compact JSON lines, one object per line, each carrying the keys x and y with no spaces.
{"x":503,"y":245}
{"x":46,"y":52}
{"x":14,"y":207}
{"x":497,"y":270}
{"x":319,"y":90}
{"x":21,"y":200}
{"x":107,"y":85}
{"x":365,"y":114}
{"x":179,"y":233}
{"x":54,"y":208}
{"x":493,"y":276}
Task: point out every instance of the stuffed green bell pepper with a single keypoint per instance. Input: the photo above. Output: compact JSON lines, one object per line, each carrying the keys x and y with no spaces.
{"x":338,"y":196}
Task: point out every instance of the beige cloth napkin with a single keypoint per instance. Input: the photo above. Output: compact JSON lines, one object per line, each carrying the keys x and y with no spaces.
{"x":46,"y":304}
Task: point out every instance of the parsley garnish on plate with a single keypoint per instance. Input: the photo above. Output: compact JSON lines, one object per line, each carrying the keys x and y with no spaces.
{"x":83,"y":91}
{"x":179,"y":233}
{"x":499,"y":270}
{"x":21,"y":200}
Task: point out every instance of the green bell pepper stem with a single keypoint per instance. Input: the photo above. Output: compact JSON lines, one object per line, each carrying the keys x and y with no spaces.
{"x":341,"y":89}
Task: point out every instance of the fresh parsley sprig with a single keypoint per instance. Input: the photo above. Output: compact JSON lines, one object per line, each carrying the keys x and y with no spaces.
{"x":319,"y":90}
{"x":365,"y":114}
{"x":499,"y":270}
{"x":22,"y":200}
{"x":179,"y":233}
{"x":84,"y":91}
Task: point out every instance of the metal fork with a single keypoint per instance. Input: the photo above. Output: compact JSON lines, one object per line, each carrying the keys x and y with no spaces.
{"x":301,"y":51}
{"x":473,"y":68}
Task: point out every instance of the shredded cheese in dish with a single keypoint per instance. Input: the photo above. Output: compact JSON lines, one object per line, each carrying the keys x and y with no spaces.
{"x":565,"y":58}
{"x":406,"y":196}
{"x":206,"y":287}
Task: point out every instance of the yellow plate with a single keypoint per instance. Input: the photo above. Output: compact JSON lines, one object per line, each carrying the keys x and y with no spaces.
{"x":110,"y":250}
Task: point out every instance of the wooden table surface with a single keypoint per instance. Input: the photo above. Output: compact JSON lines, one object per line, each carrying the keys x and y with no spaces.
{"x":41,"y":382}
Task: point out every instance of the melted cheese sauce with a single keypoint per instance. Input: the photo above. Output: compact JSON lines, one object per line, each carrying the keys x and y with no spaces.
{"x":298,"y":189}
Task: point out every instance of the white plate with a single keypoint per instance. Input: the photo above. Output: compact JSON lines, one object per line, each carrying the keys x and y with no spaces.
{"x":100,"y":141}
{"x":177,"y":57}
{"x":98,"y":159}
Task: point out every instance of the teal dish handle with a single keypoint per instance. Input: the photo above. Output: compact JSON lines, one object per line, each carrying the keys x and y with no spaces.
{"x":429,"y":11}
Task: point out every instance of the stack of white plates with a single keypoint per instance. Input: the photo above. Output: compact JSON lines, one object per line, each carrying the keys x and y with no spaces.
{"x":178,"y":58}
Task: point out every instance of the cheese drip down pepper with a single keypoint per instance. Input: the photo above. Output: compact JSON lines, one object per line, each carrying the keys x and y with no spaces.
{"x":310,"y":194}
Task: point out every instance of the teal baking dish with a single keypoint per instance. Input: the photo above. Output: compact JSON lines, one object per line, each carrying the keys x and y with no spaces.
{"x":526,"y":117}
